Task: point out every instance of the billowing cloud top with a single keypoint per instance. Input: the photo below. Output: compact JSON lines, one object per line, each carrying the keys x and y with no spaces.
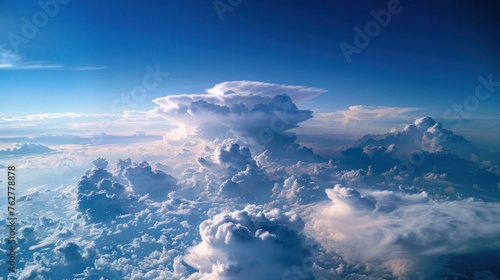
{"x":259,"y":114}
{"x":26,"y":149}
{"x":249,"y":244}
{"x":245,"y":92}
{"x":424,"y":134}
{"x":236,"y":105}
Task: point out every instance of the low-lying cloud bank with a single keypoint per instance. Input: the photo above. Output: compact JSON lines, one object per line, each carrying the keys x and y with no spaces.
{"x":235,"y":196}
{"x":404,"y":235}
{"x":25,"y":149}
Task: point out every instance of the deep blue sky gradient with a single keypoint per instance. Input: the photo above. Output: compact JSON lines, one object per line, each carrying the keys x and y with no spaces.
{"x":429,"y":56}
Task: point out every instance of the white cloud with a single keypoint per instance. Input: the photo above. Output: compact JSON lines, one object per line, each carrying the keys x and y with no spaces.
{"x":48,"y":116}
{"x":98,"y":197}
{"x":299,"y":189}
{"x":248,"y":88}
{"x":424,"y":134}
{"x":8,"y":58}
{"x":89,"y":68}
{"x":26,"y":149}
{"x":33,"y":271}
{"x":248,"y":93}
{"x":146,"y":181}
{"x":401,"y":233}
{"x":249,"y":244}
{"x":137,"y":222}
{"x":358,"y":120}
{"x":262,"y":120}
{"x":83,"y":124}
{"x":70,"y":250}
{"x":36,"y":66}
{"x":377,"y":113}
{"x":12,"y":61}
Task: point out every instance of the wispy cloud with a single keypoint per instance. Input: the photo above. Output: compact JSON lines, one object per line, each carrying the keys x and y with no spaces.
{"x":367,"y":119}
{"x":38,"y":65}
{"x":5,"y":65}
{"x":364,"y":113}
{"x":88,"y":68}
{"x":8,"y":59}
{"x":82,"y":123}
{"x":12,"y":61}
{"x":44,"y":117}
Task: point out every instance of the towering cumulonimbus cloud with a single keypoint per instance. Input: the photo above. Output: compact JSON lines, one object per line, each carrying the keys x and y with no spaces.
{"x":259,"y":114}
{"x":248,"y":93}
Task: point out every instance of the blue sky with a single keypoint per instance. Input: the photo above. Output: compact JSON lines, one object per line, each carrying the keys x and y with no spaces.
{"x":297,"y":43}
{"x":171,"y":140}
{"x":429,"y":56}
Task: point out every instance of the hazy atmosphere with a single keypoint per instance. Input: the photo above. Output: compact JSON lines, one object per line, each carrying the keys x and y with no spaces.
{"x":236,"y":139}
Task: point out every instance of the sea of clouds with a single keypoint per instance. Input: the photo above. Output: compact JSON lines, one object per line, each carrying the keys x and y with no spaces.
{"x":234,"y":195}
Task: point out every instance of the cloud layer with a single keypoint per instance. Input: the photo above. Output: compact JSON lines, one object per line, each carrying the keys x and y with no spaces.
{"x":248,"y":244}
{"x":26,"y":149}
{"x":231,"y":193}
{"x":402,"y":234}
